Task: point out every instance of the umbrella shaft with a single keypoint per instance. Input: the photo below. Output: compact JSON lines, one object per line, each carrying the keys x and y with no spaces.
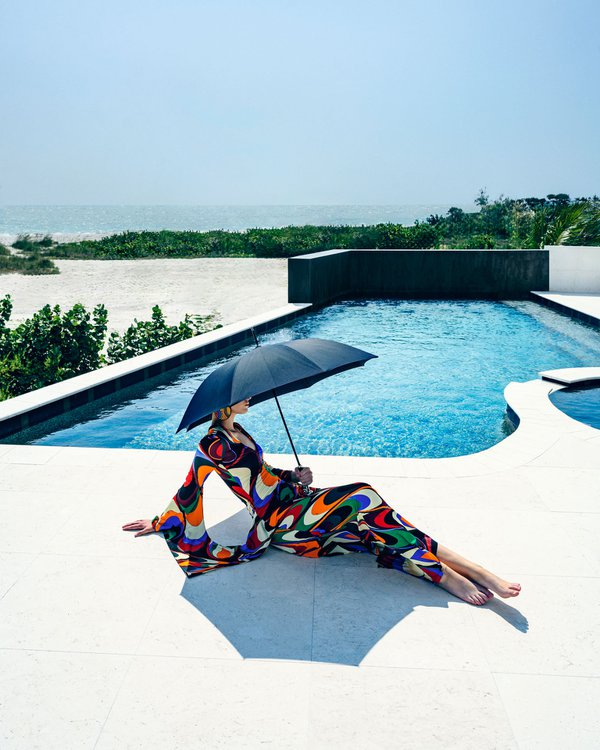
{"x":280,"y":412}
{"x":288,"y":434}
{"x":286,"y":428}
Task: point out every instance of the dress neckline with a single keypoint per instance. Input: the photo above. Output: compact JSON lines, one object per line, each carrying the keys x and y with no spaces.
{"x":241,"y":442}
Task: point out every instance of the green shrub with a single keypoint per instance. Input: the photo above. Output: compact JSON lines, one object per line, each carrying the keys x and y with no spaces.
{"x":147,"y":335}
{"x":284,"y":242}
{"x":32,"y":264}
{"x":477,"y":241}
{"x":52,"y":346}
{"x":36,"y":266}
{"x":49,"y":346}
{"x":24,"y":242}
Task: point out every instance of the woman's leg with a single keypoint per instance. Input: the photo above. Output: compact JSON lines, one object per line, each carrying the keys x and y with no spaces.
{"x":336,"y":518}
{"x":477,"y":573}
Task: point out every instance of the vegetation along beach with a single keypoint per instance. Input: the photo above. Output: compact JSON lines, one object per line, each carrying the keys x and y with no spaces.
{"x":85,"y":303}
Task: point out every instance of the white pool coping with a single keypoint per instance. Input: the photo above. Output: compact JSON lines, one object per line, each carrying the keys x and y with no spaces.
{"x":105,"y":644}
{"x":572,"y":375}
{"x":587,"y":304}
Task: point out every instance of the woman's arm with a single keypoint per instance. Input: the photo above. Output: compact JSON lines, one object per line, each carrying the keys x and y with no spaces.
{"x":286,"y":474}
{"x":171,"y":519}
{"x":142,"y":526}
{"x":183,"y":522}
{"x":299,"y":475}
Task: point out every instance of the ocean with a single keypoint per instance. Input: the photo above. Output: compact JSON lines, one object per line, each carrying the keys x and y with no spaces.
{"x":78,"y":222}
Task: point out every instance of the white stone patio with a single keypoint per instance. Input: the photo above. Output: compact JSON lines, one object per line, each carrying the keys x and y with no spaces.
{"x":105,"y":644}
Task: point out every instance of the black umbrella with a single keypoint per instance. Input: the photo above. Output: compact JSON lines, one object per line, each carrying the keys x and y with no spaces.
{"x":268,"y":371}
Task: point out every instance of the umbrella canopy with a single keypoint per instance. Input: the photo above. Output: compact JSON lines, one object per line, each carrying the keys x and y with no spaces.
{"x":269,"y":371}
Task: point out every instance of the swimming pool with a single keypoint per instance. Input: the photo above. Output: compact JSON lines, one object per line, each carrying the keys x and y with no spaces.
{"x":582,"y":402}
{"x":435,"y":390}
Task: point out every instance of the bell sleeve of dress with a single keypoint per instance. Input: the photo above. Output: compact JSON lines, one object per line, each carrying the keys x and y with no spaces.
{"x":184,"y":527}
{"x":286,"y":474}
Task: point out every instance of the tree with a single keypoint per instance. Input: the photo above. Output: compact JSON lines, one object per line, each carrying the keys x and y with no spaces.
{"x":559,"y":199}
{"x":482,"y":198}
{"x":534,"y":204}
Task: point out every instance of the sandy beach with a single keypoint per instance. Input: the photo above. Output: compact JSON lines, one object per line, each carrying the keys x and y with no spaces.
{"x":233,"y":287}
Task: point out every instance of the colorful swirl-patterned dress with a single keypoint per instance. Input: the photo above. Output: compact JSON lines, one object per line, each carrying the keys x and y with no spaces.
{"x":312,"y":523}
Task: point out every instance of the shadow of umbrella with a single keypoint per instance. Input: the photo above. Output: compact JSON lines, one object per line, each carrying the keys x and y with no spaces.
{"x":329,"y":609}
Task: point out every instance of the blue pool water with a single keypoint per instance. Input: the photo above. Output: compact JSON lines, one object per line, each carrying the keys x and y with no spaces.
{"x":435,"y":390}
{"x":582,"y":402}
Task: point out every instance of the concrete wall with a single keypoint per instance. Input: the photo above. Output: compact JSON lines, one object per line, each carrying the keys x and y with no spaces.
{"x":574,"y":269}
{"x":427,"y":274}
{"x":320,"y":276}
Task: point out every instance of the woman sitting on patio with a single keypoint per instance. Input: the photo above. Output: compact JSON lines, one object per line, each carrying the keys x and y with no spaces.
{"x":311,"y":522}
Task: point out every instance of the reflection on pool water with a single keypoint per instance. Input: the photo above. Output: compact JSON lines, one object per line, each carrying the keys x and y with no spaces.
{"x":435,"y":390}
{"x":582,"y":402}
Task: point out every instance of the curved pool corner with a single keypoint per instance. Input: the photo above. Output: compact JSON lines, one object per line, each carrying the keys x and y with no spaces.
{"x":572,"y":394}
{"x":538,"y":423}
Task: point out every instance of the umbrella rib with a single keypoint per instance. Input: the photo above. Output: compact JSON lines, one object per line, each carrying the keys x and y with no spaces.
{"x":260,"y":352}
{"x":305,"y":358}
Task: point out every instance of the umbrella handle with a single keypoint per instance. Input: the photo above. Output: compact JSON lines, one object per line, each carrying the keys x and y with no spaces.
{"x":304,"y":486}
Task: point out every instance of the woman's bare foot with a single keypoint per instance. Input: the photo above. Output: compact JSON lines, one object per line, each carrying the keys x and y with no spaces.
{"x":462,"y":587}
{"x":485,"y":591}
{"x":503,"y":588}
{"x":477,"y":574}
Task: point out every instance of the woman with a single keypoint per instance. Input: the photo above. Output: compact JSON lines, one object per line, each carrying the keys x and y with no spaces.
{"x":311,"y":522}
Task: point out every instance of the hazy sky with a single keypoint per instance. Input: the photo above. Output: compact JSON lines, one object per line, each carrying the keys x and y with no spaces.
{"x":276,"y":102}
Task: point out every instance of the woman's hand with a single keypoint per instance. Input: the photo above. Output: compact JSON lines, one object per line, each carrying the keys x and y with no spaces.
{"x":303,"y":474}
{"x":143,"y":524}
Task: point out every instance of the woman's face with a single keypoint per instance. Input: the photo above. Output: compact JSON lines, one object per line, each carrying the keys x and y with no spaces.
{"x":241,"y":407}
